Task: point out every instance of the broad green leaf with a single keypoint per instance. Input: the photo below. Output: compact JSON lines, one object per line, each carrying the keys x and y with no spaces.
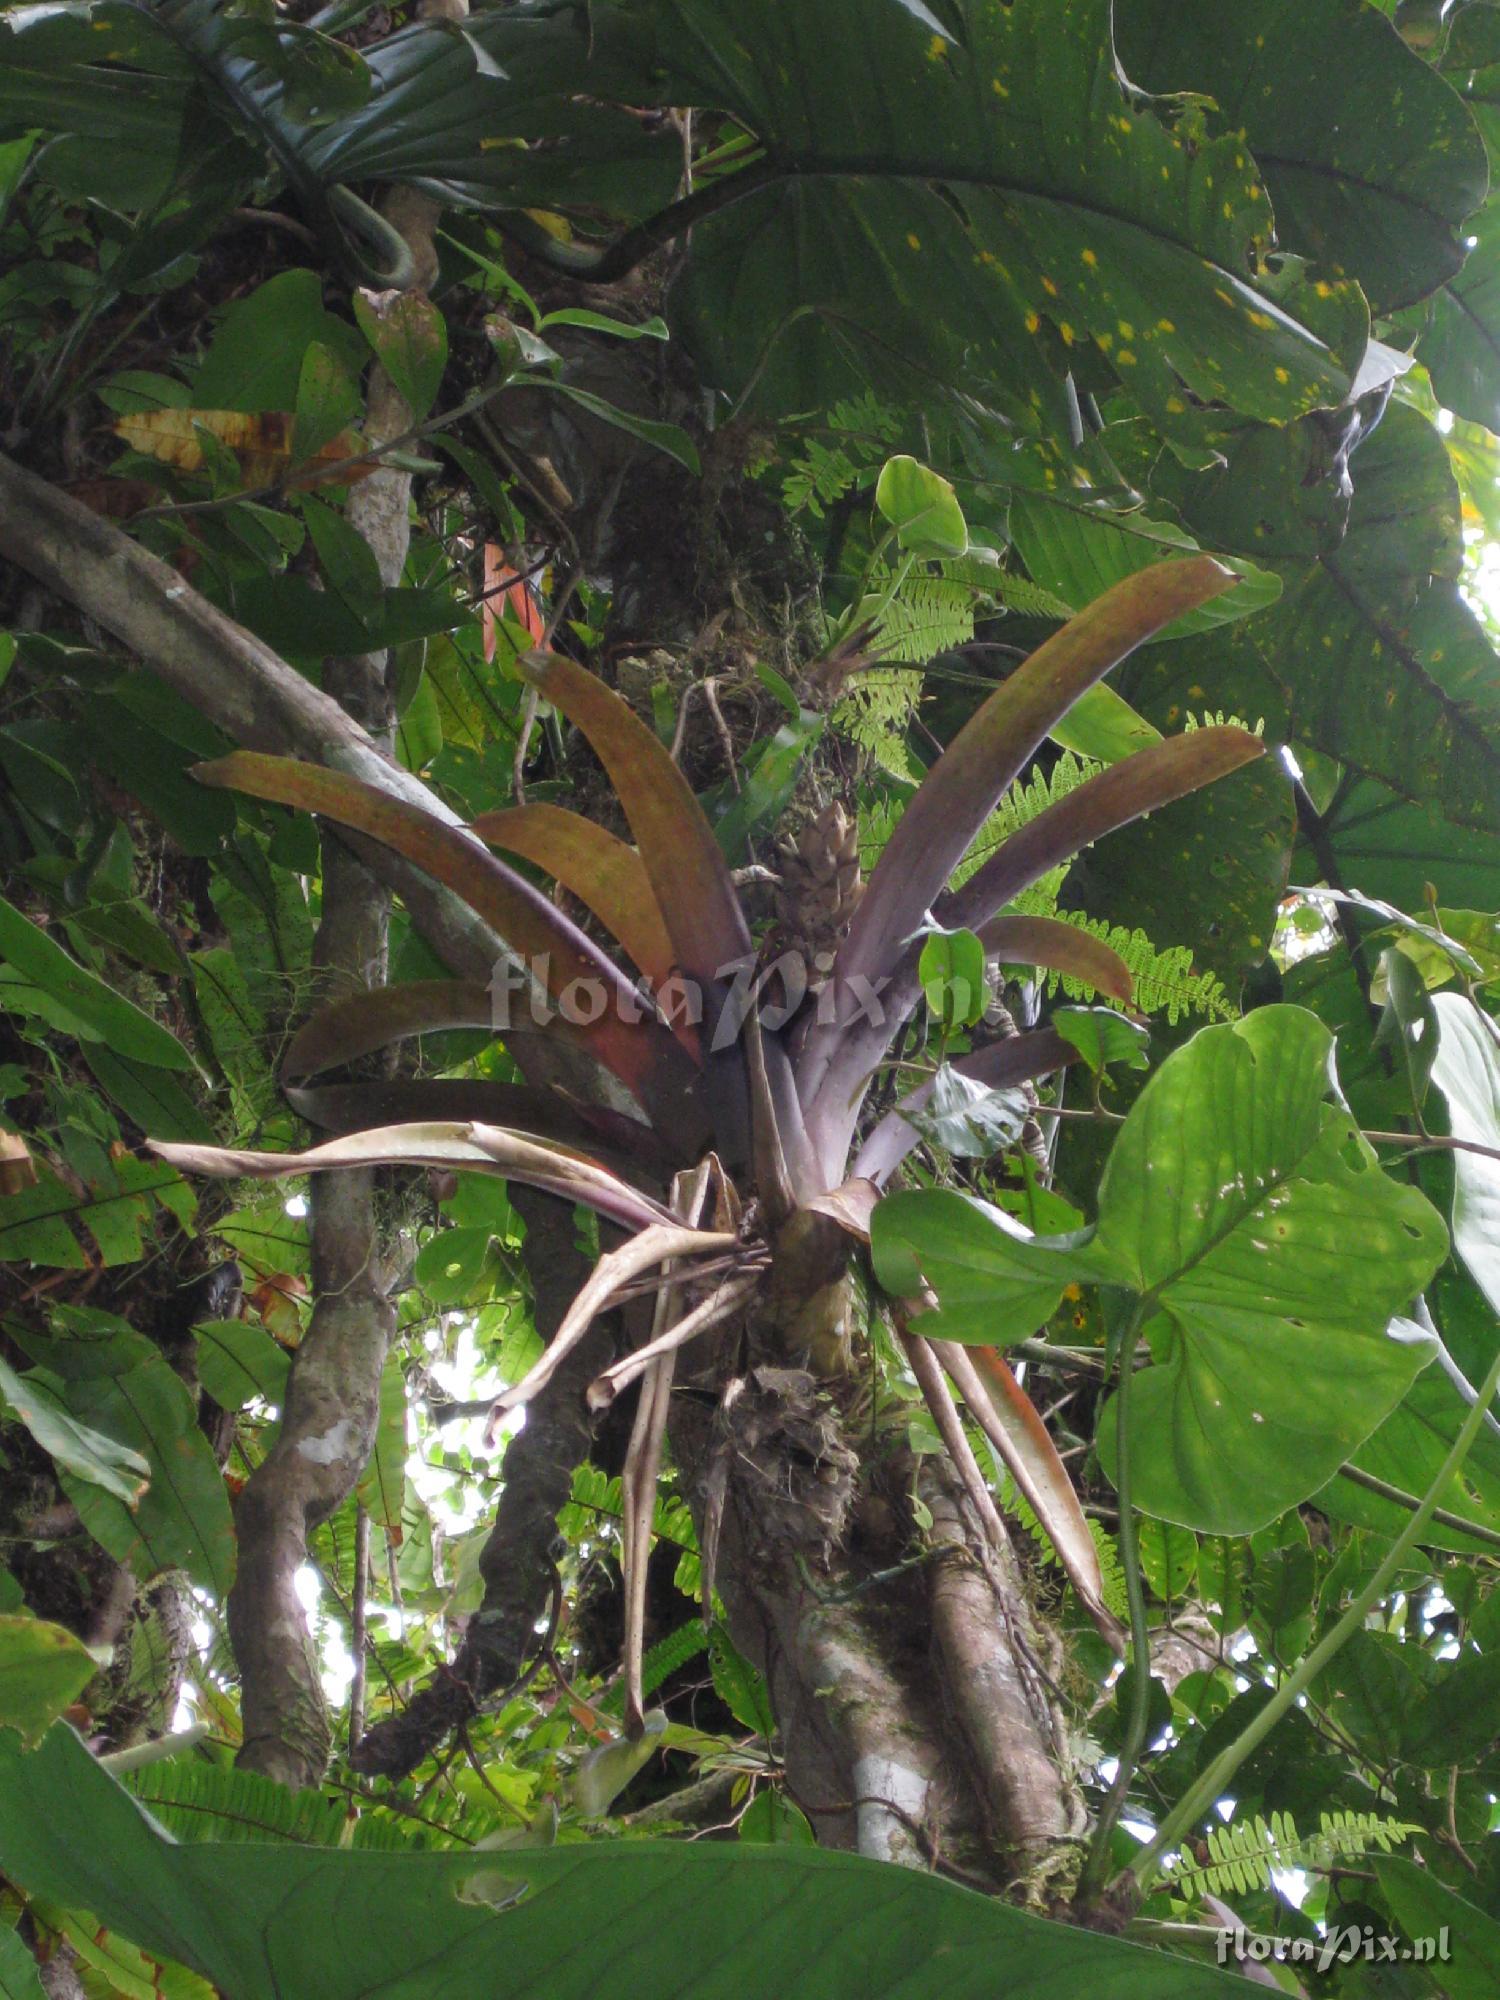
{"x":1460,"y":328}
{"x":328,"y":401}
{"x":182,"y":1519}
{"x":1459,"y":1721}
{"x":1267,"y":1252}
{"x":1005,"y":170}
{"x":101,"y":1014}
{"x":994,"y":1281}
{"x":33,"y":1225}
{"x":654,"y":328}
{"x":1254,"y":1218}
{"x":1081,"y":552}
{"x":669,"y":438}
{"x":1407,"y":1451}
{"x":922,"y":507}
{"x":1101,"y":1036}
{"x":968,"y":1120}
{"x":382,"y":1484}
{"x":1372,"y":656}
{"x":410,"y":338}
{"x":1379,"y":190}
{"x":951,"y":969}
{"x":1101,"y":724}
{"x":1425,"y":1908}
{"x":1207,"y":872}
{"x":771,"y":1818}
{"x":1169,"y":1558}
{"x":770,"y":778}
{"x":19,"y":1976}
{"x":148,"y":1096}
{"x":42,"y":1667}
{"x":265,"y":1921}
{"x":238,"y":1360}
{"x":254,"y":362}
{"x":1467,"y":1071}
{"x":71,"y":1445}
{"x":347,"y":560}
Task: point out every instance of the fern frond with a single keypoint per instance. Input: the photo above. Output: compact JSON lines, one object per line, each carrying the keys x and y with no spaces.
{"x":197,"y":1801}
{"x":1165,"y":981}
{"x":660,"y":1660}
{"x":1026,"y":799}
{"x":926,"y":615}
{"x":862,"y":428}
{"x":1244,"y":1854}
{"x":1218,"y":719}
{"x":1018,"y":593}
{"x":598,"y":1498}
{"x":878,"y":709}
{"x":1112,"y":1577}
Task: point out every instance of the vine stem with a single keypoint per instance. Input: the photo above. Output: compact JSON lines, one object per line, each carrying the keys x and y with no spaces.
{"x":1097,"y":1862}
{"x":1200,"y":1797}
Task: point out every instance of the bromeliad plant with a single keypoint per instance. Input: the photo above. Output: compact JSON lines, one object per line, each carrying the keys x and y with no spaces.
{"x":733,"y":1154}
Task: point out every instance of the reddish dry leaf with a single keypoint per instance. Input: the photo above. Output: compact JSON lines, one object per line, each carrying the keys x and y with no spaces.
{"x":1010,"y":1420}
{"x":601,"y":871}
{"x":687,"y":870}
{"x":1058,"y":947}
{"x":622,"y":1036}
{"x":1143,"y":783}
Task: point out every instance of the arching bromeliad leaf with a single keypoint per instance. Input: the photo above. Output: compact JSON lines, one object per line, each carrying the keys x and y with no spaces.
{"x":267,"y":1920}
{"x":1267,"y":1250}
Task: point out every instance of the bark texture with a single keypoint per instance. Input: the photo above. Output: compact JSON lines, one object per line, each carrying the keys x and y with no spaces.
{"x":329,"y":1425}
{"x":517,"y":1564}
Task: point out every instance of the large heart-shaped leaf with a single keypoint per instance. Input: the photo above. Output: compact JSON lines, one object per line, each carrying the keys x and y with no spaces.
{"x":1003,"y":164}
{"x":1376,"y":192}
{"x":263,"y":1921}
{"x":1263,"y":1248}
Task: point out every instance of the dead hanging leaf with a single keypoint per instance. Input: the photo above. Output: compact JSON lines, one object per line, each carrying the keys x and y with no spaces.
{"x":261,"y":443}
{"x":506,"y":595}
{"x":275,"y":1299}
{"x":17,"y":1169}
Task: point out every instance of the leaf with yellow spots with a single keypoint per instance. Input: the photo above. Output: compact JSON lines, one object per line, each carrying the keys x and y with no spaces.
{"x":1375,"y":189}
